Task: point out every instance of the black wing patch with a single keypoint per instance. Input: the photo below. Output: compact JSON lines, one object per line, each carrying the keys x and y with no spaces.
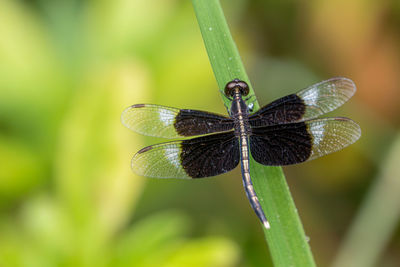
{"x":309,"y":103}
{"x":292,"y":143}
{"x":166,"y":122}
{"x":287,"y":109}
{"x":193,"y":158}
{"x":193,"y":122}
{"x":210,"y":155}
{"x":281,"y":144}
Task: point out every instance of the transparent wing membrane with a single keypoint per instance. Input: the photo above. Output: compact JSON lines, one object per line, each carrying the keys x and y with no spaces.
{"x":160,"y":161}
{"x":326,"y":96}
{"x":151,"y":120}
{"x":331,"y":135}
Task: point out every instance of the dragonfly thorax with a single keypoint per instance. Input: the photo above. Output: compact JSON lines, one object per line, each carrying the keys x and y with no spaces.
{"x":240,"y":114}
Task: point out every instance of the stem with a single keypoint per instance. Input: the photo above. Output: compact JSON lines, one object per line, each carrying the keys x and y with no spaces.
{"x":286,"y":238}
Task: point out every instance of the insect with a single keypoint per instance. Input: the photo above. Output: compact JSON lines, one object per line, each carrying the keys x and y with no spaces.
{"x":286,"y":131}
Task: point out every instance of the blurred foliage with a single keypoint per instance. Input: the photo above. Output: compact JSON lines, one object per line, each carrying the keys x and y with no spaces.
{"x":68,"y":69}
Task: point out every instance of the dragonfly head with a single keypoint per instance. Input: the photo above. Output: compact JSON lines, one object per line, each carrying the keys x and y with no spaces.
{"x":236,"y":85}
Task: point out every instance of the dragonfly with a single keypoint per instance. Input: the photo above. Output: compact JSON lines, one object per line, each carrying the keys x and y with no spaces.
{"x":286,"y":131}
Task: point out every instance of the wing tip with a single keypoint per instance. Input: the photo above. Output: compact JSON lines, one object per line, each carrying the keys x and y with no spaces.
{"x":357,"y":130}
{"x":356,"y":134}
{"x":356,"y":127}
{"x":126,"y":116}
{"x":126,"y":111}
{"x":135,"y":166}
{"x":346,"y":83}
{"x":342,"y":86}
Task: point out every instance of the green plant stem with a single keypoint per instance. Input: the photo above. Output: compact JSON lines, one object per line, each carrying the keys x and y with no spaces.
{"x":286,"y":239}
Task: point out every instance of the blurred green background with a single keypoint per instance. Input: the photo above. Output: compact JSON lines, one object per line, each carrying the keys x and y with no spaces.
{"x":69,"y":67}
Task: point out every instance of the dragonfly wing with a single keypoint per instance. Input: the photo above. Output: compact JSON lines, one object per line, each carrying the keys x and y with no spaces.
{"x":166,"y":122}
{"x":198,"y":157}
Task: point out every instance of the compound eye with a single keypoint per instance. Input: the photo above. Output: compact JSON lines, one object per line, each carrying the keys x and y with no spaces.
{"x":236,"y":84}
{"x":244,"y":88}
{"x":230,"y":88}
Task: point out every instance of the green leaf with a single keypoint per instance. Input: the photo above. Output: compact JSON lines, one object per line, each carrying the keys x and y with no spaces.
{"x":286,"y":239}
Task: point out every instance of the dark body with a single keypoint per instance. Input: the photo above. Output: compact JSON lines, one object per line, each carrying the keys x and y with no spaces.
{"x":240,"y":114}
{"x":281,"y":133}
